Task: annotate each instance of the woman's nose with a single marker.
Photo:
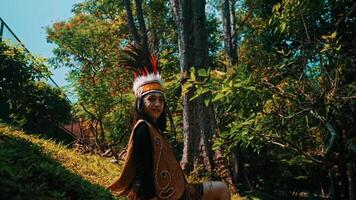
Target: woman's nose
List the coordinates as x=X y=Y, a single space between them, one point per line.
x=157 y=103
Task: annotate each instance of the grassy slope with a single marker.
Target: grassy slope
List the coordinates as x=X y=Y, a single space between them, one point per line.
x=35 y=168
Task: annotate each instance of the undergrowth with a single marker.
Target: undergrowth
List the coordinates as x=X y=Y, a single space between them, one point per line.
x=35 y=168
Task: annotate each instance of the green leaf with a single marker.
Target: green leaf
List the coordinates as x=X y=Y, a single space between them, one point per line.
x=338 y=48
x=276 y=7
x=192 y=75
x=282 y=66
x=195 y=96
x=226 y=90
x=280 y=51
x=218 y=96
x=238 y=85
x=231 y=83
x=186 y=87
x=283 y=26
x=333 y=35
x=202 y=73
x=250 y=88
x=206 y=102
x=325 y=48
x=270 y=21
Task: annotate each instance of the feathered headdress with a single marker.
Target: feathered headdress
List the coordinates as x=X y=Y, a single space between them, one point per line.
x=145 y=68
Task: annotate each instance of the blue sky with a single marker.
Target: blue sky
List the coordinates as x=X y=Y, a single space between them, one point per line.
x=28 y=19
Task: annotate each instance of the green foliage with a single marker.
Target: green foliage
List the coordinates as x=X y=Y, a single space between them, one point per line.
x=34 y=168
x=288 y=105
x=89 y=44
x=30 y=103
x=41 y=105
x=290 y=91
x=17 y=71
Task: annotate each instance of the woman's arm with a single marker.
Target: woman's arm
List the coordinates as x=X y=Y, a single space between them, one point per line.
x=143 y=160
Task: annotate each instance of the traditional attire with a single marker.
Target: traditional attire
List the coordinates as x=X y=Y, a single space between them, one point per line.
x=168 y=179
x=151 y=168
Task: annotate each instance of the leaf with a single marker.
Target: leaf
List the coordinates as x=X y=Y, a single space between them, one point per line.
x=226 y=90
x=338 y=48
x=202 y=73
x=276 y=7
x=195 y=96
x=325 y=48
x=270 y=21
x=333 y=35
x=206 y=102
x=230 y=83
x=186 y=87
x=280 y=51
x=282 y=66
x=192 y=75
x=199 y=92
x=238 y=85
x=250 y=88
x=283 y=26
x=218 y=96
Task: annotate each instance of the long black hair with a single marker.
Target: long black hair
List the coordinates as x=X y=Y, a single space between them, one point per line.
x=139 y=113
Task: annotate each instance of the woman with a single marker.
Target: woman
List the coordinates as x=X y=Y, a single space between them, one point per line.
x=151 y=170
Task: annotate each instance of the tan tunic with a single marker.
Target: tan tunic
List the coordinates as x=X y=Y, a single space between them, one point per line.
x=168 y=177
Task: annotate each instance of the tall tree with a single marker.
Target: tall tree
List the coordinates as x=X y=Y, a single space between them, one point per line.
x=229 y=30
x=199 y=127
x=89 y=44
x=291 y=91
x=227 y=8
x=192 y=42
x=141 y=35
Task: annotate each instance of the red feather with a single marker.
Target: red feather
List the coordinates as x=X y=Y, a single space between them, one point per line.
x=139 y=60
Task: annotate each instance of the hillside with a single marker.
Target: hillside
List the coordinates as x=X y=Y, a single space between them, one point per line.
x=35 y=168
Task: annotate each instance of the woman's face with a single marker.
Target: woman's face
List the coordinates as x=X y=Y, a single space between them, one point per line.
x=153 y=105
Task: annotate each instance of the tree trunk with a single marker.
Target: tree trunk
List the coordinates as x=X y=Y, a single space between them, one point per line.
x=229 y=30
x=238 y=169
x=197 y=130
x=233 y=31
x=199 y=125
x=130 y=22
x=141 y=35
x=141 y=24
x=153 y=41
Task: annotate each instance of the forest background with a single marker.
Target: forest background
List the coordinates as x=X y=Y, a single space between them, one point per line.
x=262 y=92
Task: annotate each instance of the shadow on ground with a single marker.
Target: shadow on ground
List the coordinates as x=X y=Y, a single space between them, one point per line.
x=28 y=173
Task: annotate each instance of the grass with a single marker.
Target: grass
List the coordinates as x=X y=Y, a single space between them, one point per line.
x=35 y=168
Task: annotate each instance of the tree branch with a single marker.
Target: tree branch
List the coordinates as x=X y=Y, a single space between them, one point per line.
x=141 y=23
x=131 y=23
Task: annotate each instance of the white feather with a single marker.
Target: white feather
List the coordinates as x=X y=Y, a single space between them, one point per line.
x=142 y=80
